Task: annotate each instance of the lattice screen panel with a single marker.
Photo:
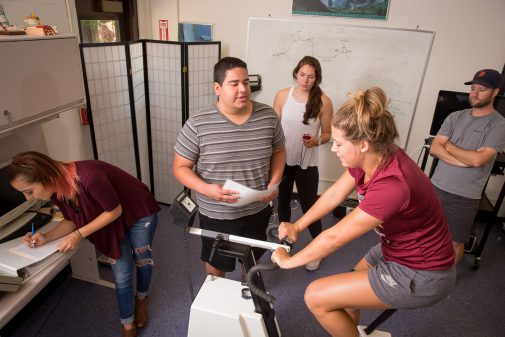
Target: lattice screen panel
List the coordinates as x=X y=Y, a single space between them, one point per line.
x=107 y=83
x=168 y=82
x=201 y=60
x=139 y=94
x=164 y=63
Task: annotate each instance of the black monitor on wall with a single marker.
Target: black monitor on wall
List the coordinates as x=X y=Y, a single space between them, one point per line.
x=450 y=101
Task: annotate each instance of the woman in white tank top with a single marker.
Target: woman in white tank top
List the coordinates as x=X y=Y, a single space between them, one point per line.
x=305 y=113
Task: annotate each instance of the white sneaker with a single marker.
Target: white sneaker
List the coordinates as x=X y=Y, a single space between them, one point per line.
x=311 y=266
x=375 y=333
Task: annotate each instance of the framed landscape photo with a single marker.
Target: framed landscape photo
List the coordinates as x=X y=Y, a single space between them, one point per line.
x=195 y=32
x=364 y=9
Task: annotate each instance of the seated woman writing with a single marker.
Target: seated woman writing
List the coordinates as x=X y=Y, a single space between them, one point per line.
x=412 y=266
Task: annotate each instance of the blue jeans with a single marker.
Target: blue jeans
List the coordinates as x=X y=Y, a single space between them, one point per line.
x=135 y=254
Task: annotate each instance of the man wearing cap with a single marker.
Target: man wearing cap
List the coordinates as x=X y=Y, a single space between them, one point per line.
x=467 y=144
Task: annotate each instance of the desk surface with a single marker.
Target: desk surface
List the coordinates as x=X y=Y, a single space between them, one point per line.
x=10 y=263
x=41 y=274
x=84 y=267
x=12 y=302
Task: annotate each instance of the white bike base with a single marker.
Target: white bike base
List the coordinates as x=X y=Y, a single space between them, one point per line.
x=220 y=310
x=375 y=333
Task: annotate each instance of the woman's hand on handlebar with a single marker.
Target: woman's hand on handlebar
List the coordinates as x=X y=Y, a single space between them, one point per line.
x=288 y=229
x=280 y=256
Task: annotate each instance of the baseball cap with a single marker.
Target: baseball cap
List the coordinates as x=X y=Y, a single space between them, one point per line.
x=489 y=78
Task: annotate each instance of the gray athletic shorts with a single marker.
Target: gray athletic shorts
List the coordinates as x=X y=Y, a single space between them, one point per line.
x=403 y=287
x=460 y=213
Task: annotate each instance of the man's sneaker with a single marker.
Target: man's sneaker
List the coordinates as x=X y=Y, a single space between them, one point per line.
x=375 y=333
x=311 y=266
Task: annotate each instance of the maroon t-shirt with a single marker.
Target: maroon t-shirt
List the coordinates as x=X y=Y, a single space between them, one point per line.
x=103 y=187
x=414 y=232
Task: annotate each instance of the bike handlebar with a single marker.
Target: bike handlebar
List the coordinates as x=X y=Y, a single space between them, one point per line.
x=250 y=281
x=272 y=236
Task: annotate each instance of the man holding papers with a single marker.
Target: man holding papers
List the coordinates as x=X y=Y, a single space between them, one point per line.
x=234 y=139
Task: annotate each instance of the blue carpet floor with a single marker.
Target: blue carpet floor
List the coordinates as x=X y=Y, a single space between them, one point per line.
x=77 y=308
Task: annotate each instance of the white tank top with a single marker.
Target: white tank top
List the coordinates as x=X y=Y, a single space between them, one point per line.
x=294 y=129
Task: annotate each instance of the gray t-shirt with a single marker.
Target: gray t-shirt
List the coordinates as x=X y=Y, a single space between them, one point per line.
x=224 y=150
x=470 y=133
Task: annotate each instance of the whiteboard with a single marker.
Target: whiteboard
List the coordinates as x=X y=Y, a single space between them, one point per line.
x=351 y=57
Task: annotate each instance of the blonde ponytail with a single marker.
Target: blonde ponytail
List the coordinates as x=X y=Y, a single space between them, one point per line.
x=366 y=116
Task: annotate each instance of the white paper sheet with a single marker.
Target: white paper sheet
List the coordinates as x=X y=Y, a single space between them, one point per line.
x=38 y=253
x=247 y=195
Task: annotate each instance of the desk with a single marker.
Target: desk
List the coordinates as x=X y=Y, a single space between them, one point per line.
x=84 y=267
x=12 y=302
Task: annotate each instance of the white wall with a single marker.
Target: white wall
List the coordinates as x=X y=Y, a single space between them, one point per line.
x=469 y=36
x=150 y=12
x=464 y=42
x=62 y=138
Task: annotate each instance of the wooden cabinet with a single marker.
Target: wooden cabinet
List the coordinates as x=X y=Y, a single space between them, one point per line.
x=40 y=77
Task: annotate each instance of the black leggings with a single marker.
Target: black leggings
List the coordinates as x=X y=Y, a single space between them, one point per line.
x=306 y=184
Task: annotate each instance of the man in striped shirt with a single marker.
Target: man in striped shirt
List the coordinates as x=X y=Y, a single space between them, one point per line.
x=236 y=139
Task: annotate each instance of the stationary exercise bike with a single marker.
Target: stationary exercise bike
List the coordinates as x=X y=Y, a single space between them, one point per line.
x=228 y=308
x=225 y=307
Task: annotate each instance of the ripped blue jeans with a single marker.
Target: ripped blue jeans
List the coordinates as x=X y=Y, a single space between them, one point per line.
x=135 y=255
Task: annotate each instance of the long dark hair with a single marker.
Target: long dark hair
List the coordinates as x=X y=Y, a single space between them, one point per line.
x=314 y=103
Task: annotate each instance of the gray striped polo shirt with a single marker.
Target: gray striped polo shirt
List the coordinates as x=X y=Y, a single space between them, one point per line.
x=224 y=150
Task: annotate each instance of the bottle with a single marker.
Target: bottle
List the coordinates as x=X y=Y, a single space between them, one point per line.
x=305 y=157
x=3 y=18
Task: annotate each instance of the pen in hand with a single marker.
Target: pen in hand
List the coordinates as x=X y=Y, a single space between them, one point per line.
x=33 y=233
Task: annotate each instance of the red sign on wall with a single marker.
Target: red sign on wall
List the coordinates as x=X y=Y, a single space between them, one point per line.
x=163 y=24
